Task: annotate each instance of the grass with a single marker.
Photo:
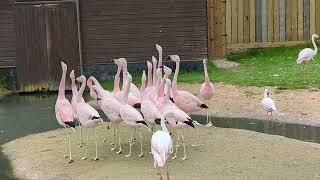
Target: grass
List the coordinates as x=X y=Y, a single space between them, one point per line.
x=274 y=67
x=3 y=88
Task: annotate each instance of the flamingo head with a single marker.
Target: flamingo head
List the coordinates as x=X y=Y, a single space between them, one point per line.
x=118 y=62
x=81 y=79
x=266 y=92
x=149 y=64
x=158 y=47
x=315 y=36
x=72 y=76
x=174 y=58
x=93 y=93
x=63 y=66
x=167 y=71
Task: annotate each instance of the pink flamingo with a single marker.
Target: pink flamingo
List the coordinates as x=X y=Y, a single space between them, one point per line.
x=74 y=102
x=111 y=107
x=159 y=49
x=92 y=80
x=206 y=90
x=131 y=116
x=149 y=110
x=133 y=88
x=161 y=144
x=184 y=99
x=307 y=54
x=63 y=109
x=88 y=116
x=180 y=118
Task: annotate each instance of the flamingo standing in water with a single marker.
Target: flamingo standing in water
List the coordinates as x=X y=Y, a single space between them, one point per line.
x=206 y=90
x=180 y=118
x=149 y=110
x=88 y=116
x=268 y=104
x=111 y=107
x=307 y=54
x=161 y=144
x=63 y=109
x=74 y=102
x=131 y=116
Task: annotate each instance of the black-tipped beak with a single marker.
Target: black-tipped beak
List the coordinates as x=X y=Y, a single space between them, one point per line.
x=111 y=61
x=157 y=121
x=71 y=124
x=98 y=99
x=204 y=106
x=168 y=58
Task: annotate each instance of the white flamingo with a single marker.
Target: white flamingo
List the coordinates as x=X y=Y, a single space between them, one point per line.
x=268 y=104
x=307 y=54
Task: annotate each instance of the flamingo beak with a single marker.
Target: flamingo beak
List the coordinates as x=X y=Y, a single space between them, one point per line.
x=168 y=58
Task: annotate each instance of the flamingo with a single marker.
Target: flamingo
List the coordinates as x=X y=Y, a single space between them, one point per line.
x=206 y=90
x=159 y=49
x=131 y=116
x=268 y=104
x=74 y=102
x=150 y=82
x=307 y=54
x=180 y=118
x=161 y=144
x=111 y=107
x=154 y=75
x=63 y=110
x=184 y=99
x=133 y=88
x=149 y=110
x=92 y=80
x=88 y=116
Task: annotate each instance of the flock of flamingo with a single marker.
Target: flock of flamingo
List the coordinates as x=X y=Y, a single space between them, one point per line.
x=157 y=102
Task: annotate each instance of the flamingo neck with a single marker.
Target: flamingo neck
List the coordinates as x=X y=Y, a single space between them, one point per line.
x=154 y=77
x=73 y=87
x=167 y=96
x=175 y=77
x=163 y=125
x=95 y=81
x=126 y=93
x=206 y=77
x=62 y=86
x=116 y=83
x=149 y=77
x=98 y=91
x=315 y=46
x=143 y=88
x=81 y=90
x=265 y=94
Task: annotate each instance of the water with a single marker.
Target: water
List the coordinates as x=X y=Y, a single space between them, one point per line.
x=29 y=114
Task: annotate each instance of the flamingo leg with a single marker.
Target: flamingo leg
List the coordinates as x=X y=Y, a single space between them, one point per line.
x=141 y=144
x=114 y=136
x=184 y=146
x=70 y=156
x=197 y=139
x=167 y=171
x=209 y=123
x=130 y=144
x=307 y=72
x=120 y=150
x=304 y=75
x=85 y=154
x=160 y=173
x=80 y=134
x=105 y=136
x=95 y=139
x=66 y=150
x=177 y=145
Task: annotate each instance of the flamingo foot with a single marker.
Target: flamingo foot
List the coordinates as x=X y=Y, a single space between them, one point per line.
x=209 y=124
x=150 y=152
x=80 y=145
x=83 y=158
x=195 y=145
x=95 y=159
x=112 y=143
x=113 y=148
x=119 y=152
x=65 y=156
x=141 y=155
x=184 y=158
x=104 y=140
x=70 y=161
x=174 y=157
x=128 y=155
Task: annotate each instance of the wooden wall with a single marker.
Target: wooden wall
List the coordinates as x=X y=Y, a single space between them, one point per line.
x=129 y=29
x=7 y=35
x=262 y=23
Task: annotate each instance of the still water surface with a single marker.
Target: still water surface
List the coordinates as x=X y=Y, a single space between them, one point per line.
x=29 y=114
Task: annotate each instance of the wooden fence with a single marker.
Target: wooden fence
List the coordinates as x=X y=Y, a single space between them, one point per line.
x=262 y=23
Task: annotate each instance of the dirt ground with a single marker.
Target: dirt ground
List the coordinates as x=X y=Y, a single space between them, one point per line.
x=296 y=106
x=222 y=154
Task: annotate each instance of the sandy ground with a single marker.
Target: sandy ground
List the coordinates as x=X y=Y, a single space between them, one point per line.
x=223 y=154
x=296 y=106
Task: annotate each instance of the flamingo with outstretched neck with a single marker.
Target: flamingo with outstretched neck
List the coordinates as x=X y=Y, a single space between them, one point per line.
x=206 y=90
x=88 y=116
x=131 y=116
x=64 y=111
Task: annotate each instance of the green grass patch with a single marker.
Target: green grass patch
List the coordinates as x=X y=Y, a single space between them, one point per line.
x=275 y=67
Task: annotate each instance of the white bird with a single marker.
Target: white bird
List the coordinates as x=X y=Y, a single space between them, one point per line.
x=161 y=144
x=268 y=104
x=307 y=54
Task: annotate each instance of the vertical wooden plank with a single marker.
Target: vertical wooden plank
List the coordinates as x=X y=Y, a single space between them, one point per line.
x=288 y=20
x=276 y=21
x=240 y=21
x=223 y=27
x=317 y=17
x=264 y=21
x=282 y=13
x=312 y=17
x=252 y=21
x=258 y=21
x=234 y=19
x=294 y=16
x=306 y=19
x=300 y=20
x=217 y=33
x=246 y=21
x=228 y=20
x=210 y=28
x=270 y=20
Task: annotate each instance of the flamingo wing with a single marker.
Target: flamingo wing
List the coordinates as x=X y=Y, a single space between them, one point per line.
x=305 y=54
x=64 y=110
x=268 y=104
x=161 y=144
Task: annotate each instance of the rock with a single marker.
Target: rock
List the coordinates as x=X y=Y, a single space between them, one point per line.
x=225 y=64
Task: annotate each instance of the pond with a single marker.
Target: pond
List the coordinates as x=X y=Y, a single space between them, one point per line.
x=29 y=114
